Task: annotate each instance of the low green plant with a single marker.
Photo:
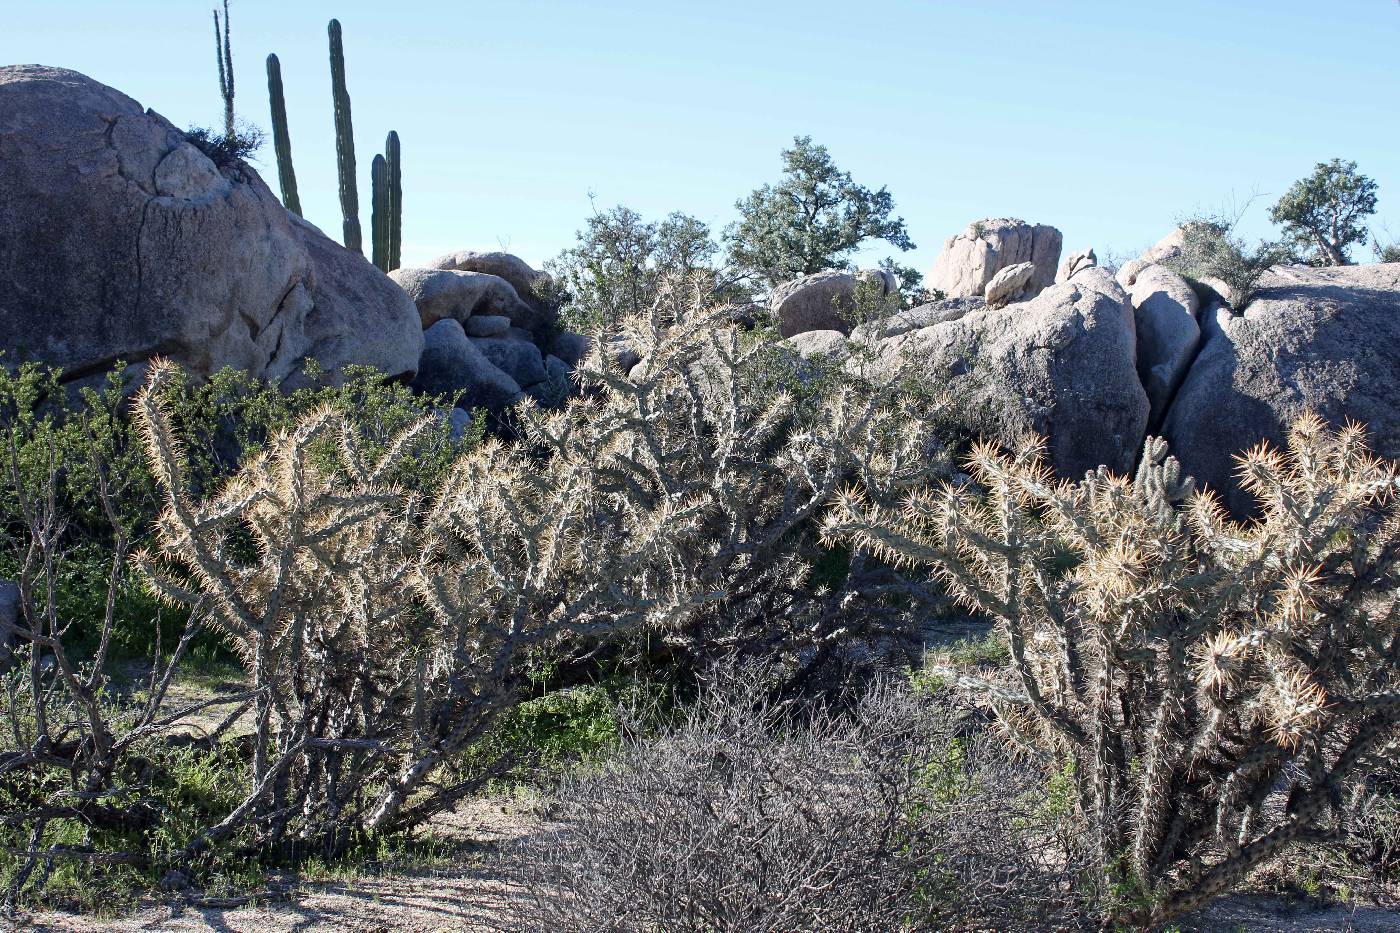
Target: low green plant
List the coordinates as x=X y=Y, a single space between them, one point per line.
x=1214 y=258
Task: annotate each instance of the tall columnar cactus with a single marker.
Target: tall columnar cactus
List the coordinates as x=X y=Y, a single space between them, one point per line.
x=344 y=141
x=281 y=139
x=379 y=213
x=223 y=53
x=391 y=156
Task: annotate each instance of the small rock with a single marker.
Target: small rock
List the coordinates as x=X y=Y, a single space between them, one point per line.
x=486 y=325
x=519 y=359
x=1075 y=263
x=1010 y=284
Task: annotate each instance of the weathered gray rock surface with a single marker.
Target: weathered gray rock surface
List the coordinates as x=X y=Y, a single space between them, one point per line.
x=1076 y=263
x=817 y=343
x=519 y=273
x=972 y=258
x=1165 y=308
x=1063 y=365
x=519 y=359
x=820 y=301
x=452 y=365
x=1325 y=340
x=1010 y=284
x=902 y=322
x=443 y=293
x=120 y=240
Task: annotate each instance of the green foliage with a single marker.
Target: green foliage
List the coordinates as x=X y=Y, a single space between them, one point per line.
x=281 y=137
x=1214 y=257
x=620 y=261
x=379 y=213
x=225 y=149
x=223 y=54
x=1323 y=214
x=85 y=437
x=812 y=220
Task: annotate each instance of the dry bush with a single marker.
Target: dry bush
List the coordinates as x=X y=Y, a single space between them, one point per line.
x=384 y=628
x=1217 y=686
x=750 y=815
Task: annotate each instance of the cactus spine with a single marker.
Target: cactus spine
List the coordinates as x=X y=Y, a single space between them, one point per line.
x=281 y=139
x=379 y=213
x=344 y=142
x=391 y=156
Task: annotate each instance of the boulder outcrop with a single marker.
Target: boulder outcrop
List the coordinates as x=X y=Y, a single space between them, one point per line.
x=1063 y=365
x=972 y=258
x=1320 y=340
x=452 y=365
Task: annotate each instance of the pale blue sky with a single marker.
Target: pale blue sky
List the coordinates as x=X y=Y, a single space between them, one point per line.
x=1108 y=119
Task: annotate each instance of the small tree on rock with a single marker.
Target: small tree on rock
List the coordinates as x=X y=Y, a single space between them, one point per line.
x=1322 y=214
x=813 y=219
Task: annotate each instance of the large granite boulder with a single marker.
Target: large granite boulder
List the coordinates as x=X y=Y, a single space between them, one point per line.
x=530 y=284
x=121 y=240
x=972 y=258
x=1063 y=365
x=453 y=366
x=440 y=294
x=1323 y=340
x=820 y=301
x=1165 y=307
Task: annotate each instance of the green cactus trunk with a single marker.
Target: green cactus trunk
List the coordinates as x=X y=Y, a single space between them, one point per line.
x=344 y=142
x=391 y=156
x=379 y=213
x=281 y=139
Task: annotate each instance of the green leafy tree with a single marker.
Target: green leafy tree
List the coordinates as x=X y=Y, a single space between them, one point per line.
x=1322 y=214
x=813 y=219
x=614 y=271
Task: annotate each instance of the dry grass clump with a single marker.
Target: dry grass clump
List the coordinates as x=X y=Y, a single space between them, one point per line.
x=753 y=815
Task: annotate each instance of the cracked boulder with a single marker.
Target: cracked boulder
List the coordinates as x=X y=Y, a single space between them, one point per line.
x=972 y=258
x=1064 y=366
x=528 y=283
x=1165 y=307
x=1321 y=340
x=119 y=240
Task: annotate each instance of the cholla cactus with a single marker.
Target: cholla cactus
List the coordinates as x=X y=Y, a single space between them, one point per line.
x=384 y=628
x=1214 y=684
